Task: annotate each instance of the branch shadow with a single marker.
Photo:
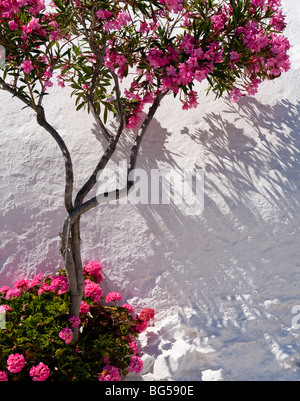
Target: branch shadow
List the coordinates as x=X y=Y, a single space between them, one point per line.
x=267 y=165
x=153 y=149
x=214 y=271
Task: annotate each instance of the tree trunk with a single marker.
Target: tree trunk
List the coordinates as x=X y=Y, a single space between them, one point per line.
x=71 y=252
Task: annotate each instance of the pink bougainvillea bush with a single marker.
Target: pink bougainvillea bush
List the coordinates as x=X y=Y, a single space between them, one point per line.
x=166 y=45
x=37 y=341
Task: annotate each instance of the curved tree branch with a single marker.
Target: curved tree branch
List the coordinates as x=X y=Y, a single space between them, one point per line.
x=98 y=119
x=113 y=141
x=9 y=88
x=41 y=119
x=82 y=208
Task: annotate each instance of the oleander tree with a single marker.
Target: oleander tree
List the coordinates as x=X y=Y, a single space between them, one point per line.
x=161 y=47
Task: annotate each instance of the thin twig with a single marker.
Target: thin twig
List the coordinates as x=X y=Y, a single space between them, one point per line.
x=81 y=208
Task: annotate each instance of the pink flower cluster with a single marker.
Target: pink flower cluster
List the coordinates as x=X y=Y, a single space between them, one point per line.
x=133 y=345
x=9 y=8
x=58 y=284
x=116 y=61
x=29 y=19
x=175 y=75
x=113 y=296
x=3 y=376
x=136 y=364
x=4 y=308
x=66 y=334
x=176 y=66
x=173 y=5
x=75 y=321
x=92 y=290
x=93 y=269
x=109 y=373
x=167 y=59
x=84 y=307
x=113 y=23
x=141 y=98
x=15 y=363
x=145 y=316
x=219 y=20
x=39 y=373
x=20 y=286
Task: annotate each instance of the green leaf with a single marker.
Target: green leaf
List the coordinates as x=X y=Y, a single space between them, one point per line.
x=105 y=115
x=80 y=106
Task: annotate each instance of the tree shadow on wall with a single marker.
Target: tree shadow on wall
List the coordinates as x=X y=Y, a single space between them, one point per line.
x=250 y=173
x=233 y=153
x=208 y=269
x=239 y=162
x=266 y=164
x=251 y=158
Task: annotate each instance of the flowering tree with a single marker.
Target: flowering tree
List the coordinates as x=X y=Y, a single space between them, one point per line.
x=162 y=46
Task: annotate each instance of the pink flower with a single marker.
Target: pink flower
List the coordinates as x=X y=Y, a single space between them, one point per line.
x=84 y=307
x=40 y=372
x=218 y=21
x=3 y=376
x=4 y=289
x=109 y=373
x=48 y=84
x=234 y=56
x=4 y=308
x=235 y=95
x=27 y=66
x=92 y=290
x=15 y=363
x=15 y=293
x=66 y=335
x=129 y=307
x=104 y=14
x=136 y=364
x=75 y=321
x=22 y=285
x=191 y=101
x=134 y=346
x=113 y=296
x=48 y=73
x=32 y=25
x=252 y=88
x=55 y=35
x=57 y=284
x=93 y=269
x=36 y=280
x=122 y=19
x=257 y=3
x=173 y=5
x=13 y=25
x=145 y=316
x=54 y=24
x=60 y=81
